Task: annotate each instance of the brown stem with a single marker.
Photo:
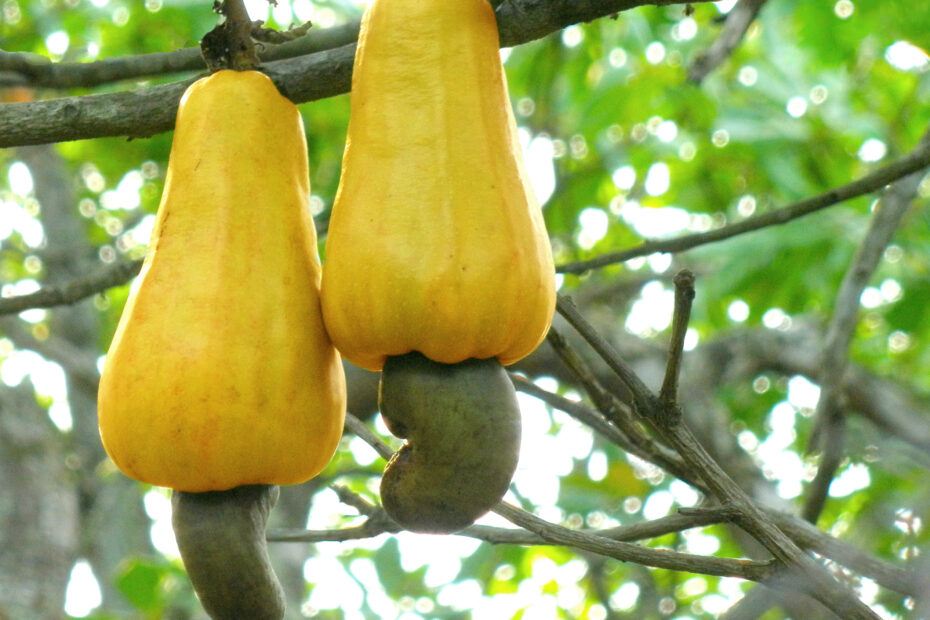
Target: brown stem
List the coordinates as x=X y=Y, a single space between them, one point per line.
x=229 y=45
x=684 y=297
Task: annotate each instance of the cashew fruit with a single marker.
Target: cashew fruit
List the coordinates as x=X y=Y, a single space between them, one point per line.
x=436 y=243
x=221 y=536
x=462 y=426
x=221 y=373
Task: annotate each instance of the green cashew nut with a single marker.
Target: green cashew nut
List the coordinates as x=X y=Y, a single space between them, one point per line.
x=462 y=426
x=221 y=536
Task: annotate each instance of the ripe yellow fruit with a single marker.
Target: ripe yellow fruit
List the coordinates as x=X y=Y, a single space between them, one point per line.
x=221 y=373
x=436 y=243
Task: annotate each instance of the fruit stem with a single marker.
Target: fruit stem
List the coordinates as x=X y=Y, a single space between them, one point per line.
x=229 y=45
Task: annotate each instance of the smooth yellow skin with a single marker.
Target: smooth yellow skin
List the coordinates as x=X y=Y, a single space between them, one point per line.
x=221 y=373
x=436 y=243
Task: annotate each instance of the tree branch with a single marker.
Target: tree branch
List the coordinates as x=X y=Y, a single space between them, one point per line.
x=499 y=535
x=145 y=112
x=30 y=70
x=617 y=426
x=803 y=571
x=684 y=298
x=801 y=532
x=74 y=290
x=540 y=532
x=830 y=418
x=734 y=29
x=626 y=430
x=628 y=552
x=644 y=400
x=916 y=160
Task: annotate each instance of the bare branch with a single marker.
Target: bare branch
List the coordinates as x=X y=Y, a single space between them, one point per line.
x=909 y=582
x=628 y=552
x=519 y=21
x=358 y=427
x=645 y=401
x=830 y=418
x=915 y=161
x=802 y=570
x=145 y=112
x=73 y=291
x=551 y=533
x=684 y=298
x=625 y=429
x=577 y=410
x=734 y=29
x=539 y=532
x=499 y=535
x=37 y=72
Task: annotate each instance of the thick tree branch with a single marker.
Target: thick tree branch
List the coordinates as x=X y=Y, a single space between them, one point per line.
x=916 y=160
x=148 y=111
x=804 y=573
x=145 y=112
x=519 y=21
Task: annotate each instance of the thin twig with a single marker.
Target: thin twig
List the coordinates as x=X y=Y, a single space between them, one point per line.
x=632 y=436
x=628 y=552
x=19 y=69
x=499 y=535
x=829 y=418
x=578 y=410
x=346 y=496
x=737 y=23
x=359 y=428
x=916 y=160
x=73 y=291
x=643 y=398
x=684 y=298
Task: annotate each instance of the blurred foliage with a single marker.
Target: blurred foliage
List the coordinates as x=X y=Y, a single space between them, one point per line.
x=788 y=115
